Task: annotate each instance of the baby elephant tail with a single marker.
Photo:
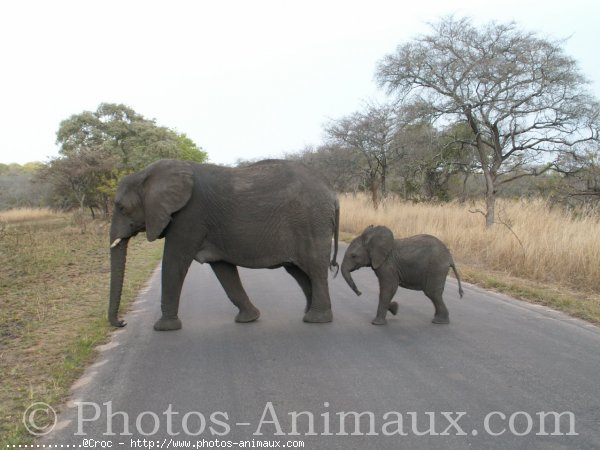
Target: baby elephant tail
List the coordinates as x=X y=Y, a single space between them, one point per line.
x=460 y=289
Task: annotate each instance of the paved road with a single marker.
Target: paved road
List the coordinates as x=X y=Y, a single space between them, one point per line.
x=476 y=383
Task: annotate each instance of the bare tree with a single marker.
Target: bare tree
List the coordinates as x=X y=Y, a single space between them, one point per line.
x=579 y=179
x=342 y=168
x=372 y=135
x=75 y=180
x=523 y=99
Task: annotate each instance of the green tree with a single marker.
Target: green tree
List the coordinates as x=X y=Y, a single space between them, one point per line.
x=119 y=132
x=188 y=150
x=98 y=148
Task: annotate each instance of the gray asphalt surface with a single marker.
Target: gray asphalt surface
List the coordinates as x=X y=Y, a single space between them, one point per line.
x=479 y=382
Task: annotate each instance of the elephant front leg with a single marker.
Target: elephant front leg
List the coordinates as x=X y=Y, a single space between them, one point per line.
x=388 y=286
x=228 y=276
x=174 y=269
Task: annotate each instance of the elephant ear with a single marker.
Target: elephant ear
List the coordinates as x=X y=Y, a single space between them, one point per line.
x=167 y=189
x=379 y=242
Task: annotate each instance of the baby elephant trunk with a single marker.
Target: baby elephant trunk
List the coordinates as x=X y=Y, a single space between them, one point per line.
x=346 y=273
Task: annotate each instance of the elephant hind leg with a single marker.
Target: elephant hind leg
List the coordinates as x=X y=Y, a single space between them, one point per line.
x=228 y=276
x=320 y=304
x=435 y=291
x=303 y=281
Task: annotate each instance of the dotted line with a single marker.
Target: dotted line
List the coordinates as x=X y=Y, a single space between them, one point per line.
x=44 y=446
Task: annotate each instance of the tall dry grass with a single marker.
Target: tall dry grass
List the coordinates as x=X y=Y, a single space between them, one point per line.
x=19 y=215
x=533 y=243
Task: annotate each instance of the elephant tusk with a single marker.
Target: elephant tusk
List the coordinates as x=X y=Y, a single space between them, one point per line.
x=115 y=243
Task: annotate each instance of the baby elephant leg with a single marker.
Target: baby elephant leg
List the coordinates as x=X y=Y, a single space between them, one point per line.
x=387 y=289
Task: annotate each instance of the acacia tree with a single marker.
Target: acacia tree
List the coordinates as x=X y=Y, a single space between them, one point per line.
x=524 y=100
x=372 y=135
x=578 y=180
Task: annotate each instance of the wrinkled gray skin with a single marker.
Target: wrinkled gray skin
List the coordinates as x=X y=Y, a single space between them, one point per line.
x=267 y=215
x=419 y=263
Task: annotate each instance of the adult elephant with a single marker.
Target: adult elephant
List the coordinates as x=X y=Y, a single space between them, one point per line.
x=270 y=214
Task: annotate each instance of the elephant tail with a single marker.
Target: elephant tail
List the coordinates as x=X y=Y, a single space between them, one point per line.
x=334 y=266
x=460 y=289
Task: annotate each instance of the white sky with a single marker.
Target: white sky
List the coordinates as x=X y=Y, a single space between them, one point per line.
x=243 y=79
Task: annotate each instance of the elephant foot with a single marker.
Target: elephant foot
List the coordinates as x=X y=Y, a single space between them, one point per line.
x=441 y=320
x=118 y=323
x=249 y=315
x=380 y=320
x=315 y=316
x=167 y=324
x=393 y=308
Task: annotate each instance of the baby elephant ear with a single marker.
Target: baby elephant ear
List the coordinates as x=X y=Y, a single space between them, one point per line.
x=379 y=243
x=167 y=189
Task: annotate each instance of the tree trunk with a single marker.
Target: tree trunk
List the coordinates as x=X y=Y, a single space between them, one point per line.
x=374 y=185
x=490 y=205
x=463 y=195
x=489 y=170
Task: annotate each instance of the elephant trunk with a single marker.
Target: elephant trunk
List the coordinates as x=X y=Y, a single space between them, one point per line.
x=118 y=256
x=346 y=274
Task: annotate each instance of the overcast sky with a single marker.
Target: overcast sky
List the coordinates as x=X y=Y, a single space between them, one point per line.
x=243 y=79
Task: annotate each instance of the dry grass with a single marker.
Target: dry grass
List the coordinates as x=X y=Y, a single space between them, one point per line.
x=54 y=285
x=20 y=215
x=532 y=242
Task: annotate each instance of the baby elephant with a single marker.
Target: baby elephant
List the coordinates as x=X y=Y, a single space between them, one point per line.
x=419 y=262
